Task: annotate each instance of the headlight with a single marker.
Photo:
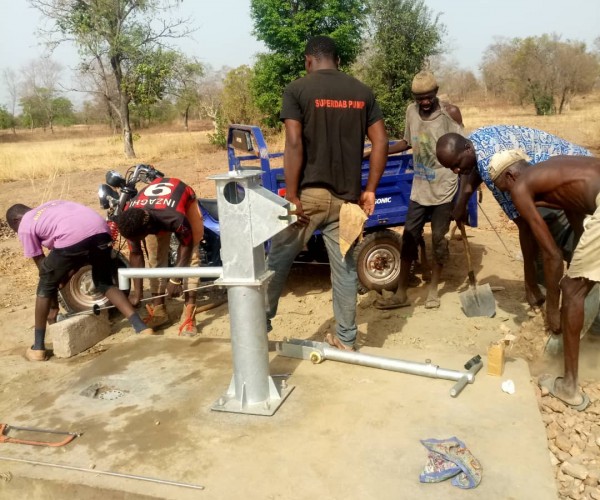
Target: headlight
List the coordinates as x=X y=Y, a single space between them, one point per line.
x=115 y=179
x=105 y=194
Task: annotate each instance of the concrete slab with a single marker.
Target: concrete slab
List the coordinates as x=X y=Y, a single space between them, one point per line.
x=346 y=431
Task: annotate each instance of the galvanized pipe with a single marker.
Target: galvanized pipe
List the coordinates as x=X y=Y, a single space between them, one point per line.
x=105 y=473
x=125 y=274
x=319 y=351
x=396 y=365
x=249 y=344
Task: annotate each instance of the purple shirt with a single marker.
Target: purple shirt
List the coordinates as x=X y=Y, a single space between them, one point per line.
x=58 y=224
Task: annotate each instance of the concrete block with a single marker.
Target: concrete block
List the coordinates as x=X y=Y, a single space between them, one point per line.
x=78 y=333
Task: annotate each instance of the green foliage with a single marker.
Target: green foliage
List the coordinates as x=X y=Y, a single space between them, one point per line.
x=237 y=104
x=40 y=109
x=123 y=44
x=544 y=105
x=185 y=84
x=285 y=26
x=146 y=82
x=404 y=33
x=219 y=138
x=63 y=111
x=6 y=119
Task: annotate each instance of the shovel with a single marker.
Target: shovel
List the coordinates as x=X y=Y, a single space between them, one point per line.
x=477 y=300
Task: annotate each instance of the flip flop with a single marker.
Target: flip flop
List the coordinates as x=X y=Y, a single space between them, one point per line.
x=390 y=304
x=548 y=382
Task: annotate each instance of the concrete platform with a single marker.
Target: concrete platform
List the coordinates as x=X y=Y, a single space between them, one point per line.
x=345 y=432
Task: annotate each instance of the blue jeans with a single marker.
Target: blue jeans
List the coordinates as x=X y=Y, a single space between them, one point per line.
x=323 y=208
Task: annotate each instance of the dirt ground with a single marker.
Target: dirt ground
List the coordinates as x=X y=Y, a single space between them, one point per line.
x=305 y=312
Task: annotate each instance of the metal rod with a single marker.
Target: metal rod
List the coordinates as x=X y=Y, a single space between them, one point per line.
x=125 y=274
x=494 y=228
x=96 y=309
x=171 y=272
x=319 y=351
x=396 y=365
x=43 y=431
x=105 y=473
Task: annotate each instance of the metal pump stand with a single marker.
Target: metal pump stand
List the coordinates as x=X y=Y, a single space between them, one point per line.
x=249 y=215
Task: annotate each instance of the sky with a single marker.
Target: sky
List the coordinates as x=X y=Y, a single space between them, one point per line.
x=224 y=30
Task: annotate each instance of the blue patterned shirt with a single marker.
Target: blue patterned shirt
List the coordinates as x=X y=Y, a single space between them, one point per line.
x=537 y=144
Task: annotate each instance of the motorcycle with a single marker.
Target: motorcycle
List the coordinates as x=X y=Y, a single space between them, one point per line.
x=79 y=293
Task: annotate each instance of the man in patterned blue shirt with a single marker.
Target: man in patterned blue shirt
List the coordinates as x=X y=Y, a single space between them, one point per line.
x=470 y=157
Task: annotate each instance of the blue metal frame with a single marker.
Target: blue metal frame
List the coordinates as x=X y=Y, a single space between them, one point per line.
x=392 y=195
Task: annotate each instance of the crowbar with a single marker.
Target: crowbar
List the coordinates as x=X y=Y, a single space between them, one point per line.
x=6 y=428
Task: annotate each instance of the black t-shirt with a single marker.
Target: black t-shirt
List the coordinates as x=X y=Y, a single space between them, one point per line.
x=335 y=110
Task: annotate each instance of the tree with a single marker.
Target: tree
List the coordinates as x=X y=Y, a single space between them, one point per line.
x=185 y=86
x=209 y=105
x=285 y=26
x=543 y=70
x=6 y=119
x=35 y=110
x=455 y=82
x=403 y=34
x=40 y=82
x=12 y=86
x=237 y=103
x=122 y=41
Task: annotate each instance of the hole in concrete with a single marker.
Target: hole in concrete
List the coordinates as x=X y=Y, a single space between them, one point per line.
x=103 y=391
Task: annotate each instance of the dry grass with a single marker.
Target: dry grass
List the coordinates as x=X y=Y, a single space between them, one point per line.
x=41 y=155
x=36 y=156
x=581 y=124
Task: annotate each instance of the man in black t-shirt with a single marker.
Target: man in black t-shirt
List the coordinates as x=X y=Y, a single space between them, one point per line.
x=327 y=115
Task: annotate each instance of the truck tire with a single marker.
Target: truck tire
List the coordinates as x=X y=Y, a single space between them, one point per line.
x=79 y=294
x=377 y=259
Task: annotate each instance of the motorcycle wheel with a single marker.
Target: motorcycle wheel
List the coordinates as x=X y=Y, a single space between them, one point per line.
x=79 y=294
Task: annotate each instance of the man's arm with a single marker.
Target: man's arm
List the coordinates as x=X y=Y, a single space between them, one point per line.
x=553 y=263
x=468 y=185
x=397 y=147
x=293 y=156
x=379 y=152
x=529 y=249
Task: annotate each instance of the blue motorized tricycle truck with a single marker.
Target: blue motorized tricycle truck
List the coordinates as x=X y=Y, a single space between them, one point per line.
x=378 y=254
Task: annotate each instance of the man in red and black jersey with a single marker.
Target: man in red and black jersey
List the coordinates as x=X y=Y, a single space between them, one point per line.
x=327 y=115
x=167 y=205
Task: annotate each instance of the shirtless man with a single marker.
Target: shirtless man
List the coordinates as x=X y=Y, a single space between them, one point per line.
x=470 y=157
x=570 y=183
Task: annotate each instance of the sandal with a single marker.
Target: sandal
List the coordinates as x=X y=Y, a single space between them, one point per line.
x=548 y=382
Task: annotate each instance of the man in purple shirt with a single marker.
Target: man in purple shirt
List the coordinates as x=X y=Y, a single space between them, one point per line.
x=75 y=236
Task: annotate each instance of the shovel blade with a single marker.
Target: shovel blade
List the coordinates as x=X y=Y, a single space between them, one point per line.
x=478 y=301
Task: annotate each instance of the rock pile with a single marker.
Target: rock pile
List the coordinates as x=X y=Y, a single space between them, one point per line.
x=574 y=444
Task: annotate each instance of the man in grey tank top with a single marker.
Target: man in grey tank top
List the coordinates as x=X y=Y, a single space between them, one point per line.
x=433 y=189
